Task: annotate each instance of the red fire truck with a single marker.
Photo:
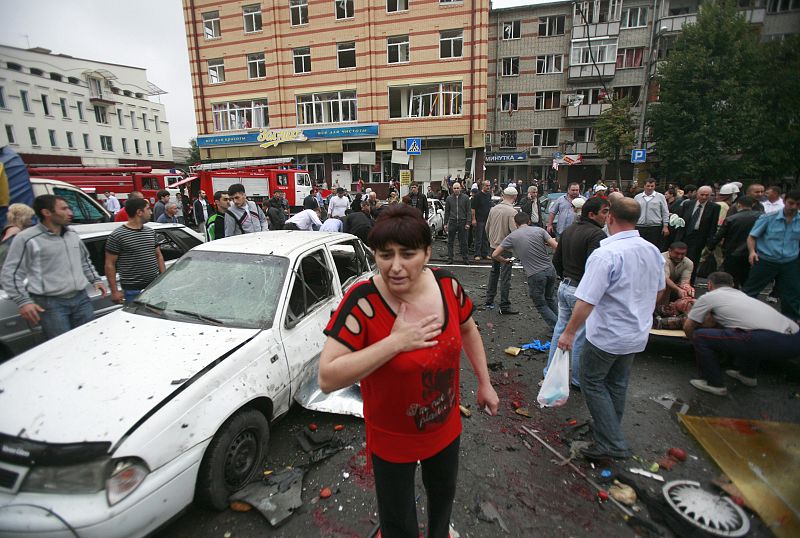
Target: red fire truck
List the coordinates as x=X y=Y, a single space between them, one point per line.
x=261 y=178
x=120 y=180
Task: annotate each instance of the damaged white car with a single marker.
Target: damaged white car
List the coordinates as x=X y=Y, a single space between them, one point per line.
x=113 y=428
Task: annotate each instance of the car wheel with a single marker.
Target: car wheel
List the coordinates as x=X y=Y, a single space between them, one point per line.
x=233 y=459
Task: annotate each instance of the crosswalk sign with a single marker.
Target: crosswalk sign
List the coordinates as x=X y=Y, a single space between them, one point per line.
x=414 y=146
x=638 y=156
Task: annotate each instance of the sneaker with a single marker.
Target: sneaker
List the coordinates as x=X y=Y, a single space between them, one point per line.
x=702 y=384
x=744 y=380
x=490 y=306
x=452 y=533
x=592 y=453
x=508 y=312
x=477 y=258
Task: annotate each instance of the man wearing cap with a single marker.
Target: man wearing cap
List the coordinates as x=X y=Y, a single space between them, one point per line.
x=499 y=224
x=653 y=225
x=564 y=209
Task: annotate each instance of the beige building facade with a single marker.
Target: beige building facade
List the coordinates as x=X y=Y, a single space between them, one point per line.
x=339 y=86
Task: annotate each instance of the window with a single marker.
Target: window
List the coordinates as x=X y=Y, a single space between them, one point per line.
x=547 y=100
x=583 y=134
x=511 y=30
x=45 y=105
x=451 y=44
x=346 y=54
x=23 y=96
x=136 y=146
x=252 y=18
x=777 y=6
x=83 y=211
x=602 y=50
x=80 y=110
x=451 y=1
x=157 y=124
x=149 y=147
x=312 y=287
x=398 y=49
x=551 y=26
x=133 y=120
x=216 y=71
x=32 y=134
x=120 y=118
x=238 y=115
x=627 y=58
x=350 y=262
x=86 y=142
x=631 y=92
x=211 y=25
x=393 y=6
x=36 y=71
x=302 y=60
x=57 y=77
x=95 y=87
x=2 y=97
x=10 y=134
x=51 y=133
x=509 y=102
x=298 y=10
x=105 y=143
x=100 y=115
x=161 y=148
x=591 y=96
x=634 y=17
x=62 y=102
x=344 y=9
x=425 y=100
x=124 y=145
x=144 y=122
x=510 y=67
x=545 y=138
x=70 y=140
x=551 y=63
x=328 y=107
x=508 y=139
x=13 y=66
x=256 y=65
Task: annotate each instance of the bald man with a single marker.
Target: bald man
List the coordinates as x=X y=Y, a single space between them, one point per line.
x=701 y=216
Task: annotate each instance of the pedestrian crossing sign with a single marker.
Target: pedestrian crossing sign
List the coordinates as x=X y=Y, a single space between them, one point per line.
x=414 y=146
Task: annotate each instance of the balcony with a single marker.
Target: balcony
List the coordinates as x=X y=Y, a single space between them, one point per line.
x=601 y=29
x=590 y=72
x=754 y=15
x=101 y=98
x=675 y=23
x=584 y=148
x=586 y=111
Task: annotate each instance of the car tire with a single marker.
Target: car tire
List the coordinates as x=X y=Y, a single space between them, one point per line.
x=233 y=459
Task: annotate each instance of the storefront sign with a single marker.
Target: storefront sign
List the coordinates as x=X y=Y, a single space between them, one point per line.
x=272 y=137
x=505 y=157
x=405 y=178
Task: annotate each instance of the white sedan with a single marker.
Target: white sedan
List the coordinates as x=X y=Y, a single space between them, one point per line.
x=113 y=428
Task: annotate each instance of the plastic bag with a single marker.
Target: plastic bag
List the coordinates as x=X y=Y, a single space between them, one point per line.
x=555 y=388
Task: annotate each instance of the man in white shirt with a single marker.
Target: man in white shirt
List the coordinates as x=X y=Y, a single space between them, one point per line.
x=331 y=224
x=774 y=202
x=112 y=204
x=653 y=222
x=338 y=205
x=307 y=219
x=616 y=299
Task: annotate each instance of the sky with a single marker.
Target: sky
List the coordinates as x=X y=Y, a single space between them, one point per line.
x=140 y=33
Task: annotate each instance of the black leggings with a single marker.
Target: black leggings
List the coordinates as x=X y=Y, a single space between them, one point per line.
x=394 y=487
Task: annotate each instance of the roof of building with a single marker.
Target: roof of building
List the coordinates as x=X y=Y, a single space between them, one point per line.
x=48 y=52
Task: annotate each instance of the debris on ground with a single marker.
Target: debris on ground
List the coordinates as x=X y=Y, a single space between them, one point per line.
x=238 y=506
x=513 y=351
x=667 y=463
x=276 y=497
x=537 y=345
x=488 y=512
x=725 y=484
x=623 y=493
x=677 y=453
x=523 y=411
x=338 y=427
x=464 y=411
x=324 y=493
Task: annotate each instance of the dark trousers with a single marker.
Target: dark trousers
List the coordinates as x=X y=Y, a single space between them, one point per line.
x=745 y=348
x=738 y=267
x=394 y=488
x=696 y=245
x=653 y=235
x=457 y=228
x=481 y=240
x=500 y=272
x=787 y=280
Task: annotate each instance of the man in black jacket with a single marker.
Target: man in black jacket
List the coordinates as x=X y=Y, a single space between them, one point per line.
x=481 y=205
x=359 y=223
x=457 y=218
x=419 y=200
x=701 y=216
x=530 y=205
x=202 y=210
x=733 y=236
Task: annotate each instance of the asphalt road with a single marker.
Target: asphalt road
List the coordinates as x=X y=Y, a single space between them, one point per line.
x=532 y=494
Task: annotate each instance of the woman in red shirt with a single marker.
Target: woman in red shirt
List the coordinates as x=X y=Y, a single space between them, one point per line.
x=401 y=334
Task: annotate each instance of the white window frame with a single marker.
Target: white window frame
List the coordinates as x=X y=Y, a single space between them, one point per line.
x=603 y=50
x=144 y=122
x=451 y=2
x=70 y=140
x=348 y=9
x=240 y=115
x=438 y=99
x=2 y=97
x=256 y=61
x=212 y=28
x=64 y=104
x=120 y=117
x=552 y=26
x=544 y=97
x=450 y=42
x=133 y=119
x=86 y=143
x=124 y=145
x=591 y=96
x=10 y=135
x=327 y=107
x=401 y=46
x=252 y=14
x=157 y=124
x=509 y=102
x=303 y=54
x=587 y=136
x=400 y=5
x=345 y=48
x=80 y=110
x=149 y=147
x=23 y=97
x=51 y=133
x=298 y=12
x=550 y=64
x=46 y=105
x=509 y=139
x=100 y=115
x=136 y=147
x=511 y=30
x=540 y=135
x=634 y=17
x=33 y=136
x=507 y=66
x=106 y=143
x=160 y=148
x=628 y=57
x=628 y=91
x=216 y=71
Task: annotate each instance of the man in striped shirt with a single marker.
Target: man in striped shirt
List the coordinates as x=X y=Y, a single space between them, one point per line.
x=132 y=251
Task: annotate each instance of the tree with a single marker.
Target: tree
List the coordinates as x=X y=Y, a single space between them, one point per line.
x=706 y=123
x=194 y=151
x=614 y=132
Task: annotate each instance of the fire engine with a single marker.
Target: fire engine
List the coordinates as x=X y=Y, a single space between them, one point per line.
x=261 y=179
x=120 y=180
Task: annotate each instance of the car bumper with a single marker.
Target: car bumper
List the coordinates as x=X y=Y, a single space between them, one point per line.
x=164 y=493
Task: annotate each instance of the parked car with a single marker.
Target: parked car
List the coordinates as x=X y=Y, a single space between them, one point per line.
x=118 y=425
x=436 y=216
x=16 y=335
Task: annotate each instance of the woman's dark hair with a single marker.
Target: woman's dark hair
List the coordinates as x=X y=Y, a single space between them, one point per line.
x=400 y=224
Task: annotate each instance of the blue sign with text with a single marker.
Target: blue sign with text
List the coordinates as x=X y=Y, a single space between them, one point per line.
x=505 y=157
x=638 y=156
x=277 y=136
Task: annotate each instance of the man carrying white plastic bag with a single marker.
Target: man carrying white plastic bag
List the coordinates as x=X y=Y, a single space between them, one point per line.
x=616 y=299
x=555 y=387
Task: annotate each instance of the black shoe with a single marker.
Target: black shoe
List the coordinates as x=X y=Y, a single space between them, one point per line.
x=508 y=312
x=592 y=453
x=450 y=261
x=466 y=261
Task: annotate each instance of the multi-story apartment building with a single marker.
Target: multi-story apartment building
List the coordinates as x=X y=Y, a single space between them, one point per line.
x=339 y=85
x=552 y=66
x=57 y=109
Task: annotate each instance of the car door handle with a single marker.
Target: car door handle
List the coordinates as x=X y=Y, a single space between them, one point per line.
x=274 y=359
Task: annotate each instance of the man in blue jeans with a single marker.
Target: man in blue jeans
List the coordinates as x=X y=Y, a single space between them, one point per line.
x=576 y=245
x=48 y=269
x=615 y=299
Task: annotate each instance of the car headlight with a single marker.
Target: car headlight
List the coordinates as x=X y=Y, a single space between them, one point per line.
x=126 y=476
x=79 y=478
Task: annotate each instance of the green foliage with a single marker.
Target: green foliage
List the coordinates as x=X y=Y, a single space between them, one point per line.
x=615 y=131
x=194 y=154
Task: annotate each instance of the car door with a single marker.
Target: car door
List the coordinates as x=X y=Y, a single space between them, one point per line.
x=306 y=311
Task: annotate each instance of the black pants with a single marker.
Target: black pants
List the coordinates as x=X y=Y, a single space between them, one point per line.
x=394 y=487
x=653 y=234
x=457 y=228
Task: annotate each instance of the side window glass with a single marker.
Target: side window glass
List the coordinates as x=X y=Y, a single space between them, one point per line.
x=283 y=180
x=185 y=241
x=313 y=285
x=97 y=253
x=150 y=183
x=349 y=262
x=170 y=249
x=78 y=214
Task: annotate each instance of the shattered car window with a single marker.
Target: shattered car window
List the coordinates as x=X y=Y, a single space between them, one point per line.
x=223 y=288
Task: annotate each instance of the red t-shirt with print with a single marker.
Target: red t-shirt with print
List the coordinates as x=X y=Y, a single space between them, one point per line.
x=411 y=402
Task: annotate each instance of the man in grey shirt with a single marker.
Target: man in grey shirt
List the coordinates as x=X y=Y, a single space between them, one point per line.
x=48 y=269
x=653 y=222
x=243 y=216
x=564 y=210
x=530 y=244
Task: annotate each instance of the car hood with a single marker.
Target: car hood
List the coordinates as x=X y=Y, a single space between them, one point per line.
x=96 y=382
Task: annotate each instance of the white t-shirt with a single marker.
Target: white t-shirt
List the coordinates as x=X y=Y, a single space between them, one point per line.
x=338 y=206
x=734 y=310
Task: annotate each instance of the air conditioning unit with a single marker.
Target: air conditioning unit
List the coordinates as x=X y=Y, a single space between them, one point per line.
x=534 y=151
